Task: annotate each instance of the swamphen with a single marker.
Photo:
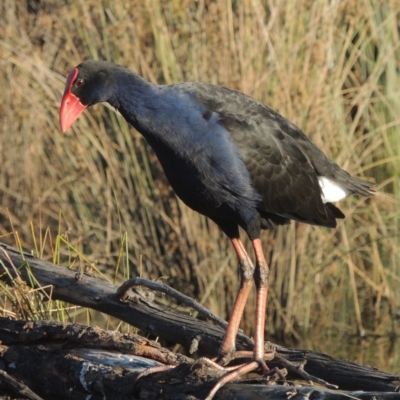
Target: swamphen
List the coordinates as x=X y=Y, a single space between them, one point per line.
x=229 y=157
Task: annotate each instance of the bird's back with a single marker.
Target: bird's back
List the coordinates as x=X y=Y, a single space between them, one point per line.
x=289 y=171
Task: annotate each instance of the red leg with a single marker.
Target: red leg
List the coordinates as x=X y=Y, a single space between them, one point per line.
x=231 y=376
x=247 y=273
x=260 y=272
x=246 y=280
x=261 y=281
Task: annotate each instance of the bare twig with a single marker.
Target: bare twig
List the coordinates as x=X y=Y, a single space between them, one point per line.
x=298 y=368
x=160 y=287
x=18 y=387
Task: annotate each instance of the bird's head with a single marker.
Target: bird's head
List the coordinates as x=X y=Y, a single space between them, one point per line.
x=87 y=84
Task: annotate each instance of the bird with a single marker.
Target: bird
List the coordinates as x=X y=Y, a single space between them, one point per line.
x=229 y=157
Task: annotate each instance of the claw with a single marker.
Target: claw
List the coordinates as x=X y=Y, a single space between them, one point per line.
x=233 y=375
x=235 y=372
x=209 y=362
x=153 y=370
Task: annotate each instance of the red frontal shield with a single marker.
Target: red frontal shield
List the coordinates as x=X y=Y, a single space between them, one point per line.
x=71 y=106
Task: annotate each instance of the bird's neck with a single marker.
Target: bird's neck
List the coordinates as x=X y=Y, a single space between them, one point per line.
x=135 y=99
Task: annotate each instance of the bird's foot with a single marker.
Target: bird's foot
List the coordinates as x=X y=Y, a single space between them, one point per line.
x=235 y=372
x=236 y=355
x=153 y=370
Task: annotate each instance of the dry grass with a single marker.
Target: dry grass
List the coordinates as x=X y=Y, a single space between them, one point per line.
x=330 y=67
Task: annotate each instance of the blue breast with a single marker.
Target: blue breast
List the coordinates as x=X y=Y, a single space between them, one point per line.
x=200 y=161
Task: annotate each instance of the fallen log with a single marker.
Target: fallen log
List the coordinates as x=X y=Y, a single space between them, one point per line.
x=73 y=361
x=57 y=350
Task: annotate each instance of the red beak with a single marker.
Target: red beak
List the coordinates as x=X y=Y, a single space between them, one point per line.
x=71 y=106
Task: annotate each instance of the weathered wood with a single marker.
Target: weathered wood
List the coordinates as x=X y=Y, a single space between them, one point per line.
x=84 y=290
x=73 y=361
x=35 y=332
x=122 y=292
x=11 y=387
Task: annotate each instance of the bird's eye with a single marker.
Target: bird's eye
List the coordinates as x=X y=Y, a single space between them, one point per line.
x=79 y=82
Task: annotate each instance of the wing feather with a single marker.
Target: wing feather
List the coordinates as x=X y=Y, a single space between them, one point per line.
x=283 y=163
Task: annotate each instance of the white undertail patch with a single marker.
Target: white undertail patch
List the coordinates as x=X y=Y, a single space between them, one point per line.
x=331 y=191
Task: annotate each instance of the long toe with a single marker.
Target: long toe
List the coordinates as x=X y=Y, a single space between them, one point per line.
x=237 y=371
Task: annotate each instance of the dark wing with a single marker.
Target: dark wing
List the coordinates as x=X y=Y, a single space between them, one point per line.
x=280 y=171
x=269 y=145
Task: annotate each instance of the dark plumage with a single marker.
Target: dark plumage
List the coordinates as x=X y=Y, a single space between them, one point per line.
x=227 y=156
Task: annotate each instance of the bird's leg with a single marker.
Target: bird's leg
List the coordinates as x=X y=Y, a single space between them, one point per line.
x=261 y=272
x=261 y=280
x=246 y=272
x=260 y=275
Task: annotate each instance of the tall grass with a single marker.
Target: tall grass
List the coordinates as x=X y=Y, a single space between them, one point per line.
x=330 y=67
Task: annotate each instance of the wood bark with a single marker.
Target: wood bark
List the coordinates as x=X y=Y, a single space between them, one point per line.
x=77 y=361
